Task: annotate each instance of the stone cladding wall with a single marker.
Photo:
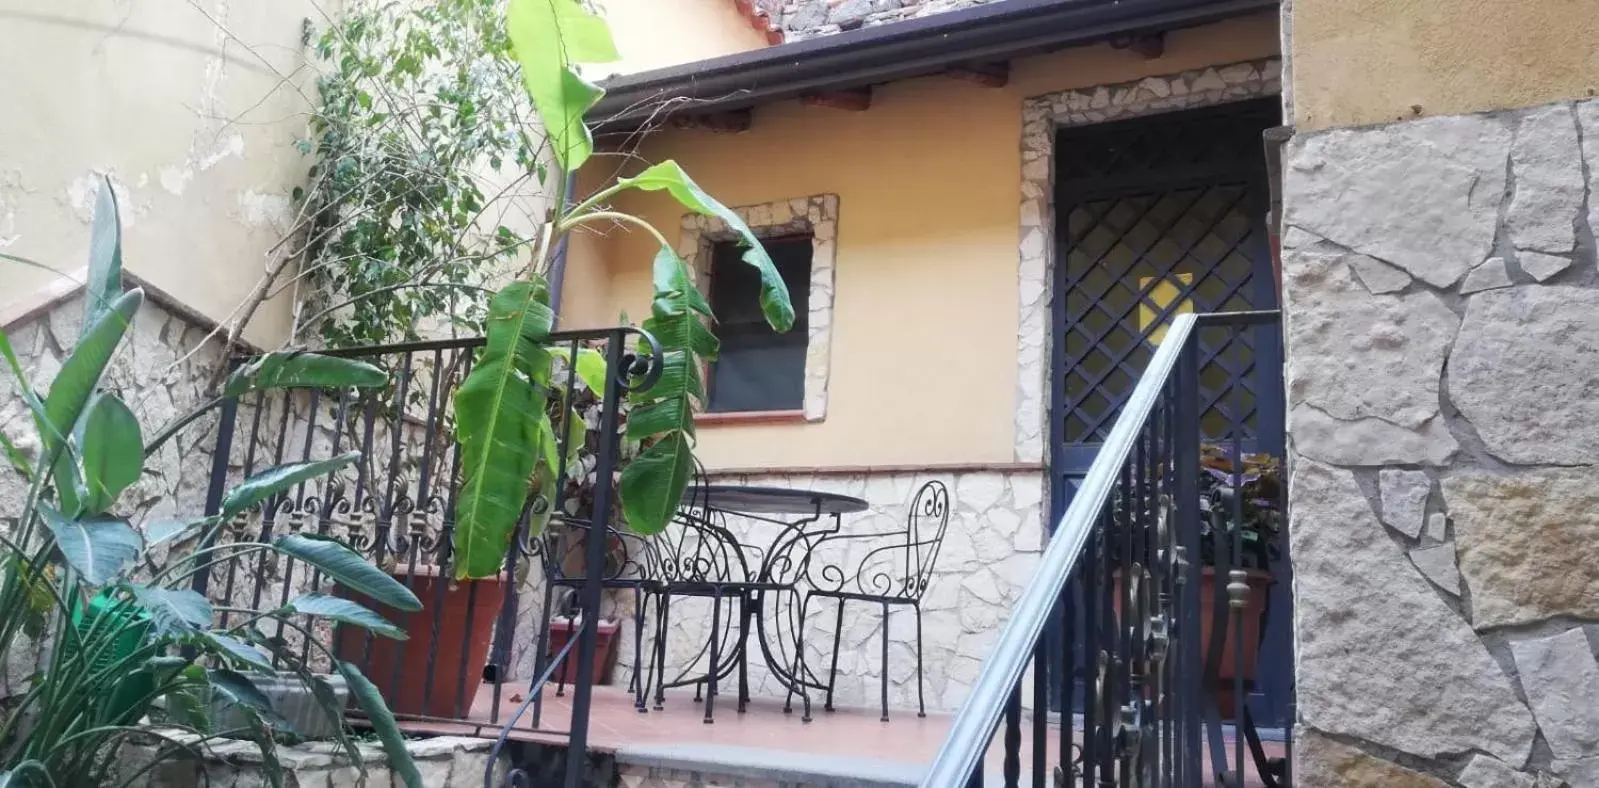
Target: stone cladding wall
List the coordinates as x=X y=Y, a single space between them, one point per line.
x=1442 y=321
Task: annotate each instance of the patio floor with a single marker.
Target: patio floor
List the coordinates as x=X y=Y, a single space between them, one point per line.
x=850 y=743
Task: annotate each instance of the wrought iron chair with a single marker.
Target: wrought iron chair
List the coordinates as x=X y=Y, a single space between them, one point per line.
x=698 y=556
x=563 y=550
x=895 y=571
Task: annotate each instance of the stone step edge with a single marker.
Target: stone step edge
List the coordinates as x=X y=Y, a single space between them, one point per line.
x=781 y=766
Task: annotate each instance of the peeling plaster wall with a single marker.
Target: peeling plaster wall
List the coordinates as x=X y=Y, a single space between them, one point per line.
x=190 y=108
x=1442 y=321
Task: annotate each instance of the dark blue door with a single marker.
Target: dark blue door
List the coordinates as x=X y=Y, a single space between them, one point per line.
x=1157 y=216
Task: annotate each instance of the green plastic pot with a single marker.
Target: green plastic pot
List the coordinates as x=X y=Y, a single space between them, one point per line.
x=132 y=628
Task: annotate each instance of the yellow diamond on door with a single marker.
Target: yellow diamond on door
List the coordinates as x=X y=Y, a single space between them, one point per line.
x=1156 y=299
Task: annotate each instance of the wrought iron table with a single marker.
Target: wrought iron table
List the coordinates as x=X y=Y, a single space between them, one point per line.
x=796 y=514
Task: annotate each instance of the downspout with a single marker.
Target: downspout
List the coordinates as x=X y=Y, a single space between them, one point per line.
x=558 y=263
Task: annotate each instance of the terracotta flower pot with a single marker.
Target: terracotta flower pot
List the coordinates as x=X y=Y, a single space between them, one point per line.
x=450 y=608
x=1259 y=581
x=604 y=650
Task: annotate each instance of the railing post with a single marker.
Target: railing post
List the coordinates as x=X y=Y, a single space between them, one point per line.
x=219 y=484
x=594 y=574
x=1185 y=462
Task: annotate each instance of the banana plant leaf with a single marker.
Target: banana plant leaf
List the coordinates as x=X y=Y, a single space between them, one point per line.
x=502 y=426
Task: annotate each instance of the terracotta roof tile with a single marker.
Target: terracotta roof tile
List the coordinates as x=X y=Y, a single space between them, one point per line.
x=760 y=20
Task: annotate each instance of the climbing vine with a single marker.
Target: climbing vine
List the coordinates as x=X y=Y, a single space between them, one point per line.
x=427 y=181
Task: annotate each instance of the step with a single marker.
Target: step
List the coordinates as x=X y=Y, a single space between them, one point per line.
x=727 y=766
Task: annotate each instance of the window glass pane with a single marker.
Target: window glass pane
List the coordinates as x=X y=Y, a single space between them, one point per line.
x=758 y=368
x=758 y=373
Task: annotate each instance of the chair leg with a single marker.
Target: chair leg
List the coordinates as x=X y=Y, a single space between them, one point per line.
x=560 y=670
x=743 y=654
x=832 y=670
x=541 y=659
x=921 y=689
x=884 y=682
x=800 y=671
x=639 y=603
x=797 y=670
x=662 y=614
x=710 y=678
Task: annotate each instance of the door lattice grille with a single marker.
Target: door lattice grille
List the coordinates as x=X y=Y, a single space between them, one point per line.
x=1157 y=219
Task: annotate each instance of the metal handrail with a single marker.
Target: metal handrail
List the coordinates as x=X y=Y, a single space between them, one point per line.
x=974 y=725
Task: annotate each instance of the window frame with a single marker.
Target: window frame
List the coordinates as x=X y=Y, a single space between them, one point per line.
x=815 y=216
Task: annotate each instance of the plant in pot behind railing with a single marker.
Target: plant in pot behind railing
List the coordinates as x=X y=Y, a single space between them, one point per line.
x=132 y=654
x=1241 y=518
x=501 y=409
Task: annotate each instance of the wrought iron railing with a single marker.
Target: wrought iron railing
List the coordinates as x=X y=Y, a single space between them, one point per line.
x=1118 y=605
x=397 y=506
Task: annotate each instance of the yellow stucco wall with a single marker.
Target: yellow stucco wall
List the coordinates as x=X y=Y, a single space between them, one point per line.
x=178 y=106
x=1373 y=61
x=653 y=34
x=924 y=327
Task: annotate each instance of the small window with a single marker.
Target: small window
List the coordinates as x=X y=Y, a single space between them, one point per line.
x=758 y=368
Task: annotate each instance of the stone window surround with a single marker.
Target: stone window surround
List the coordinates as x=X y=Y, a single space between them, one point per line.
x=1041 y=116
x=816 y=216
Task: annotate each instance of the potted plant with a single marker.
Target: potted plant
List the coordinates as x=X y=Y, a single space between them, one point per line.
x=453 y=630
x=1241 y=519
x=137 y=649
x=567 y=543
x=492 y=406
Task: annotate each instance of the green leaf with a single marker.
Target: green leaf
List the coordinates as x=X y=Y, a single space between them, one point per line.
x=343 y=611
x=350 y=569
x=81 y=371
x=673 y=413
x=68 y=479
x=14 y=455
x=105 y=257
x=261 y=733
x=499 y=412
x=550 y=451
x=29 y=396
x=672 y=275
x=112 y=451
x=590 y=366
x=166 y=530
x=98 y=547
x=237 y=688
x=682 y=330
x=188 y=701
x=292 y=369
x=38 y=596
x=652 y=485
x=272 y=481
x=680 y=376
x=236 y=650
x=669 y=177
x=577 y=434
x=174 y=610
x=366 y=696
x=549 y=37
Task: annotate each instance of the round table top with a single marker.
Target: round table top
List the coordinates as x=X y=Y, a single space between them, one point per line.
x=742 y=499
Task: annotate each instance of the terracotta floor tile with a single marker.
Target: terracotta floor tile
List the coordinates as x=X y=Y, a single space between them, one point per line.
x=615 y=723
